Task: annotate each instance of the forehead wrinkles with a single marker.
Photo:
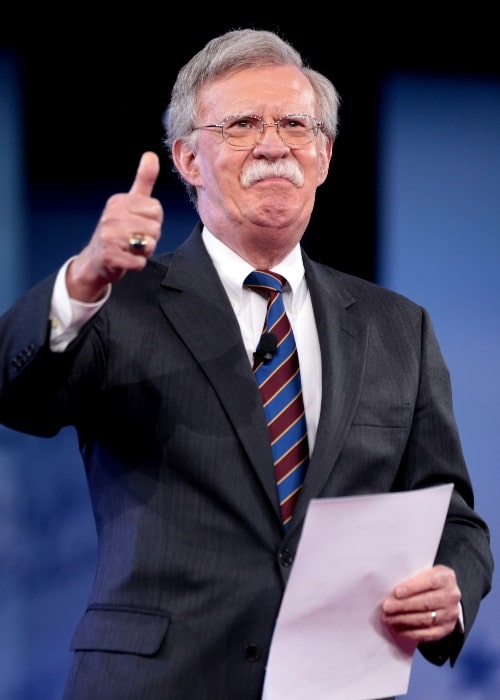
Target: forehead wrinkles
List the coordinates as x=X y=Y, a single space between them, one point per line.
x=265 y=91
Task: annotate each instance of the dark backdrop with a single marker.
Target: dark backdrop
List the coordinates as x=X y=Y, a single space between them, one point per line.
x=95 y=85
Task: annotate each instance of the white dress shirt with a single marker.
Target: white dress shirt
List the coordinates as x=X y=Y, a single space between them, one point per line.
x=250 y=310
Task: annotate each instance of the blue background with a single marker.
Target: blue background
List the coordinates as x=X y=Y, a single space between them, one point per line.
x=439 y=243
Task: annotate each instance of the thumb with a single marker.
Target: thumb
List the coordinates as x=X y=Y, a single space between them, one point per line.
x=146 y=175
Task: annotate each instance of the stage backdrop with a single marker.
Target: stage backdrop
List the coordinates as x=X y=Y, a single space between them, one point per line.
x=439 y=243
x=439 y=204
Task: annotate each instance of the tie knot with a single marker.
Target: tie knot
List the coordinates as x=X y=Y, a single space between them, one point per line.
x=265 y=282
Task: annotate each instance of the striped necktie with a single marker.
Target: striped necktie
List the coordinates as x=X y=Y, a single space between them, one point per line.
x=278 y=378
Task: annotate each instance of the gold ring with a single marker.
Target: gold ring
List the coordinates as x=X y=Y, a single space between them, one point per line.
x=137 y=242
x=433 y=616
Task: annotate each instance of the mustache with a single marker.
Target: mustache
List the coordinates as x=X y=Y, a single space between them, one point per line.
x=262 y=169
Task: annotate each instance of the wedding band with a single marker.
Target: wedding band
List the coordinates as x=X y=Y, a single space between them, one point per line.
x=433 y=616
x=137 y=242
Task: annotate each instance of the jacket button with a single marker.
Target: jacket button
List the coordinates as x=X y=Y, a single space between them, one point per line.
x=252 y=652
x=285 y=558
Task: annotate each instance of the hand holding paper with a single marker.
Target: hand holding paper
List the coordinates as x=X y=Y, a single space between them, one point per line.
x=424 y=608
x=330 y=642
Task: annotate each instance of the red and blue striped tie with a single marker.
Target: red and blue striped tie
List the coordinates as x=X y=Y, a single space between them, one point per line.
x=278 y=378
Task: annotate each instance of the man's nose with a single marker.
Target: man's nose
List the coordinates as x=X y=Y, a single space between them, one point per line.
x=270 y=138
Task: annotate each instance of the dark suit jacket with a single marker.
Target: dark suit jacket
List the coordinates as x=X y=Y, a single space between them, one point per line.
x=192 y=561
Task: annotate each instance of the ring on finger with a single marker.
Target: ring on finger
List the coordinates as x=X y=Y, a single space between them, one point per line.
x=433 y=617
x=137 y=242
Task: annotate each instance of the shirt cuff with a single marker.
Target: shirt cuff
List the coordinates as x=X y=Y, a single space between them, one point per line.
x=67 y=315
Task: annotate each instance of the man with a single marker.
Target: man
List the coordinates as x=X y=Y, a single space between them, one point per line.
x=151 y=359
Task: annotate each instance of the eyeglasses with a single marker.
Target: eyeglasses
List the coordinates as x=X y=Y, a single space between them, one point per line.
x=246 y=131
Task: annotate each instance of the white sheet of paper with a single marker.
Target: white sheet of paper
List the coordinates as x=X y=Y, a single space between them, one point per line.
x=329 y=642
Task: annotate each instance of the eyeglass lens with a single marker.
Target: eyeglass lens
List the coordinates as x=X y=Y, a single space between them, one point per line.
x=294 y=129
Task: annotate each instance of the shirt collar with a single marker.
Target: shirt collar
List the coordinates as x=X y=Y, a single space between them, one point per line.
x=233 y=270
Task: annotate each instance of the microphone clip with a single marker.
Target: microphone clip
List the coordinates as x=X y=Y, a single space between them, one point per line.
x=267 y=348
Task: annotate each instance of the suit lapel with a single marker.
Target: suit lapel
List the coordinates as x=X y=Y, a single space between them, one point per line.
x=343 y=339
x=196 y=304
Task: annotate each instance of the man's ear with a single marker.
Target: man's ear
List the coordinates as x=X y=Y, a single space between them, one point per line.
x=185 y=160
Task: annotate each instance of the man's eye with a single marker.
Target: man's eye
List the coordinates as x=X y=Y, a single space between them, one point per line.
x=292 y=124
x=242 y=124
x=245 y=124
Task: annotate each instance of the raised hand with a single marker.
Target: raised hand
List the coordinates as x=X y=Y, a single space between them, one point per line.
x=125 y=236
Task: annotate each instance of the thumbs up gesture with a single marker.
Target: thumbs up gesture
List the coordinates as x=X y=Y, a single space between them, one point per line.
x=125 y=236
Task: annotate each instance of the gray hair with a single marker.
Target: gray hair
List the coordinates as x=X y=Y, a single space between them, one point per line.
x=230 y=52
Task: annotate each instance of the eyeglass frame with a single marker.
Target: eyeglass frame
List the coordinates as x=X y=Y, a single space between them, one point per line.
x=319 y=125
